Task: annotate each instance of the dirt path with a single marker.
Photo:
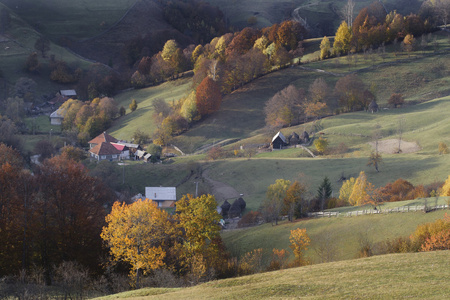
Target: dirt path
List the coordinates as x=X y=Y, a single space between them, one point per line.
x=391 y=146
x=220 y=190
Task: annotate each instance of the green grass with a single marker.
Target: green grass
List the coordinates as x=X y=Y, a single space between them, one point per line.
x=142 y=117
x=76 y=18
x=343 y=233
x=15 y=51
x=396 y=276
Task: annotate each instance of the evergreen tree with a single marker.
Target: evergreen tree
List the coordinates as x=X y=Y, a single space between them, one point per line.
x=324 y=192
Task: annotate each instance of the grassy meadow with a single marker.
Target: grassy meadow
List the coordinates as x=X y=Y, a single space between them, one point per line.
x=18 y=44
x=396 y=276
x=342 y=233
x=142 y=118
x=75 y=18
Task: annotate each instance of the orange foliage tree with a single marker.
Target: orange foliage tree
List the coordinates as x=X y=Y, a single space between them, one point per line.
x=432 y=236
x=137 y=234
x=299 y=243
x=208 y=97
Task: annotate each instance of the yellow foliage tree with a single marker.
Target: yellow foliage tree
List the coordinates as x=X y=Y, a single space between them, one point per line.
x=299 y=243
x=325 y=48
x=445 y=191
x=362 y=190
x=136 y=233
x=346 y=190
x=321 y=145
x=342 y=40
x=199 y=219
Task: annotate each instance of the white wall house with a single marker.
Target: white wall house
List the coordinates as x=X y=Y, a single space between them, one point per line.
x=163 y=196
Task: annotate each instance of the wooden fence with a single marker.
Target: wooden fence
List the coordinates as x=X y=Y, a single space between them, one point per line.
x=401 y=209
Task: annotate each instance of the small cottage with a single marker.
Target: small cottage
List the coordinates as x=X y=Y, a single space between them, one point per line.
x=56 y=118
x=278 y=141
x=164 y=196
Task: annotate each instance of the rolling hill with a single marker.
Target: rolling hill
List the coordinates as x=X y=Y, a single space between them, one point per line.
x=396 y=276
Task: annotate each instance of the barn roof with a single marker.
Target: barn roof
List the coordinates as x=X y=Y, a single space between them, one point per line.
x=279 y=134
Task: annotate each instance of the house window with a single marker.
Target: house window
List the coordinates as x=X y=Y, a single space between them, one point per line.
x=159 y=203
x=103 y=156
x=114 y=156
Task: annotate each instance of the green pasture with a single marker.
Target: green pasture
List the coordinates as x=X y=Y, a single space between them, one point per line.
x=75 y=18
x=343 y=233
x=426 y=124
x=142 y=117
x=18 y=44
x=396 y=276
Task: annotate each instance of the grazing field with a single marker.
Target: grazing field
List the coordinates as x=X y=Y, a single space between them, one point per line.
x=15 y=47
x=396 y=276
x=75 y=18
x=343 y=234
x=142 y=117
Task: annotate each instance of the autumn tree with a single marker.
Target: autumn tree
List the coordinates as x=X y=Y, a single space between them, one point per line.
x=284 y=108
x=276 y=193
x=294 y=200
x=188 y=109
x=374 y=160
x=350 y=91
x=342 y=40
x=442 y=148
x=199 y=221
x=32 y=64
x=346 y=191
x=70 y=209
x=42 y=45
x=299 y=243
x=133 y=105
x=290 y=33
x=138 y=234
x=362 y=191
x=396 y=99
x=208 y=97
x=321 y=145
x=408 y=43
x=325 y=48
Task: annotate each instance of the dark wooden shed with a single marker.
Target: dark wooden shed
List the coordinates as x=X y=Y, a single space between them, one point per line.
x=278 y=141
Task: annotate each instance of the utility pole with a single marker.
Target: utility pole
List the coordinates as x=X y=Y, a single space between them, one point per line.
x=196 y=189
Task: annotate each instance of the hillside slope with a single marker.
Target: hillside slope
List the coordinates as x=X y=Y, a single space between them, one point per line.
x=413 y=276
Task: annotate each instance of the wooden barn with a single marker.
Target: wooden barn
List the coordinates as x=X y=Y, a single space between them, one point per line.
x=278 y=141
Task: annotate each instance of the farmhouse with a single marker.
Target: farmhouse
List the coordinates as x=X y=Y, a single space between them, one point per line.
x=278 y=141
x=163 y=196
x=102 y=138
x=105 y=151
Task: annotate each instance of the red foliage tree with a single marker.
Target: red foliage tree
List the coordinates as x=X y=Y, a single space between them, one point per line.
x=208 y=97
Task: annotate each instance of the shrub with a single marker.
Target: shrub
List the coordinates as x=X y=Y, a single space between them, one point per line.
x=432 y=236
x=249 y=219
